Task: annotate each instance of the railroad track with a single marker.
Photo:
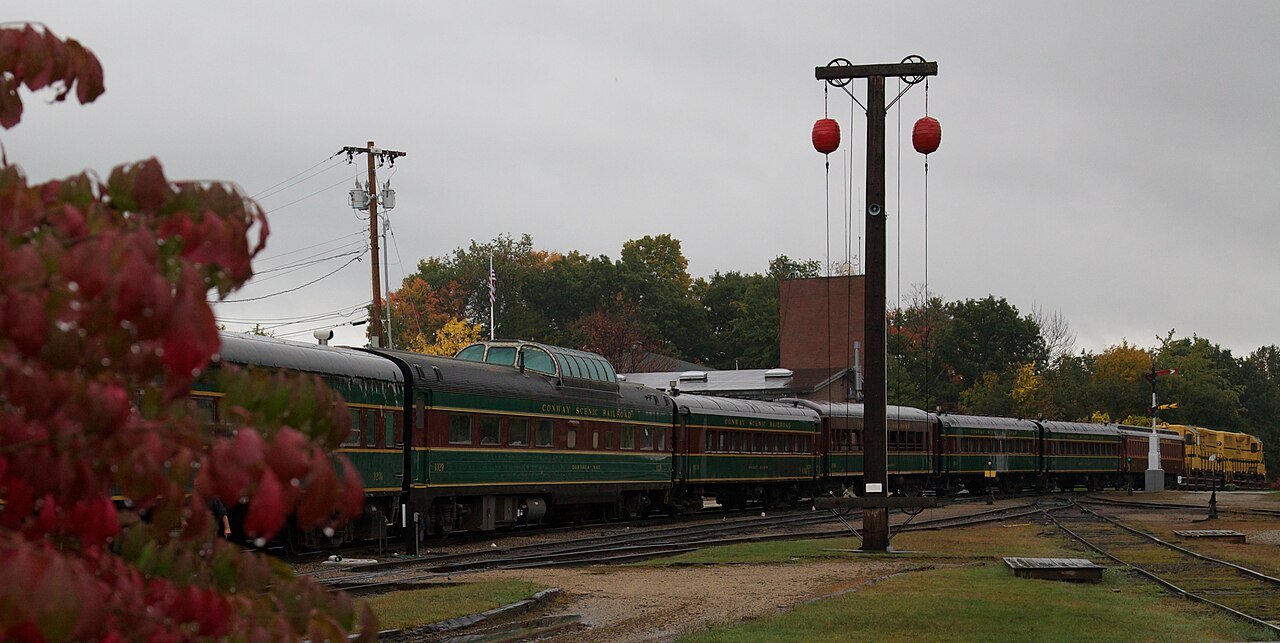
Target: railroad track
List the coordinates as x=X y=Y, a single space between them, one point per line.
x=639 y=546
x=1173 y=505
x=1240 y=591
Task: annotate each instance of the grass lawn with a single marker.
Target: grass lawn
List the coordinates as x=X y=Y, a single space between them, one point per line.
x=987 y=603
x=397 y=610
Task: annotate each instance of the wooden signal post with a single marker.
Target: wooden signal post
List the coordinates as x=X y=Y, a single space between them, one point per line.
x=876 y=501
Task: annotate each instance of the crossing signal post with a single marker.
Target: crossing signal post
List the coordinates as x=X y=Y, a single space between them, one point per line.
x=1155 y=474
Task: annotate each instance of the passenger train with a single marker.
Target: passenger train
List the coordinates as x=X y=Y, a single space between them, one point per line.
x=516 y=432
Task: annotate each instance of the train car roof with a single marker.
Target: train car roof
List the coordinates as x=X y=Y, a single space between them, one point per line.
x=257 y=350
x=1129 y=429
x=1088 y=428
x=954 y=420
x=448 y=373
x=710 y=405
x=856 y=410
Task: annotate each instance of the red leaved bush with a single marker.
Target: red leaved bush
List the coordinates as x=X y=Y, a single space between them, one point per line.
x=105 y=325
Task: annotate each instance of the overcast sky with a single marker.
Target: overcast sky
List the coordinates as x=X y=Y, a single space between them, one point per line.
x=1115 y=162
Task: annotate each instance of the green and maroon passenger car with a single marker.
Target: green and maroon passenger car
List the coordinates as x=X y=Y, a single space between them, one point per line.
x=979 y=452
x=744 y=450
x=507 y=432
x=911 y=445
x=373 y=389
x=1080 y=454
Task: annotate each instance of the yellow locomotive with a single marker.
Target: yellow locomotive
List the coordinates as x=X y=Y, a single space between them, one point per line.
x=1226 y=457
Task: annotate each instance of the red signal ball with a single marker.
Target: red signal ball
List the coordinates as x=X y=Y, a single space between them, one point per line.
x=826 y=135
x=926 y=136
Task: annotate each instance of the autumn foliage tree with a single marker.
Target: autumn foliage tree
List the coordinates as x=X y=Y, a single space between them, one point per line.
x=105 y=325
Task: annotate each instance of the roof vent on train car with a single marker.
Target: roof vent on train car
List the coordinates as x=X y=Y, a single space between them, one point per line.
x=775 y=373
x=693 y=376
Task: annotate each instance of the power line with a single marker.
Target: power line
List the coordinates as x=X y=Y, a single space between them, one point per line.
x=298 y=182
x=295 y=176
x=258 y=320
x=315 y=328
x=308 y=258
x=317 y=245
x=330 y=274
x=351 y=311
x=305 y=197
x=288 y=270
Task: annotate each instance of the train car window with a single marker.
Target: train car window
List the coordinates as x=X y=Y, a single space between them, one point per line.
x=1253 y=448
x=608 y=371
x=646 y=438
x=353 y=437
x=662 y=440
x=608 y=439
x=205 y=411
x=472 y=353
x=593 y=369
x=371 y=427
x=504 y=355
x=421 y=411
x=710 y=440
x=518 y=432
x=573 y=364
x=490 y=431
x=538 y=360
x=580 y=366
x=595 y=439
x=759 y=443
x=389 y=428
x=571 y=438
x=544 y=434
x=459 y=429
x=628 y=437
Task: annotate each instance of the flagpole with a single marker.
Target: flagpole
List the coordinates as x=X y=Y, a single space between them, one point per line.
x=492 y=297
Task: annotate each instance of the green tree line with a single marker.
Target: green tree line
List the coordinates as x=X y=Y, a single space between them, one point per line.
x=981 y=356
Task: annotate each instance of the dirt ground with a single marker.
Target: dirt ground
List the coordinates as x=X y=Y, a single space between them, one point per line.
x=661 y=603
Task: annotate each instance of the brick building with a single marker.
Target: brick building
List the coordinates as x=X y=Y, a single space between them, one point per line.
x=820 y=322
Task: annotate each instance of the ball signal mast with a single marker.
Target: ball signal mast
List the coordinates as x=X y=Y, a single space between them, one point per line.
x=1155 y=474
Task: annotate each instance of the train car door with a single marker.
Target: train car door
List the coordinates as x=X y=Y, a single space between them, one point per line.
x=680 y=447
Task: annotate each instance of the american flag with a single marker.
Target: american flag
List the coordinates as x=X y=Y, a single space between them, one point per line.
x=493 y=285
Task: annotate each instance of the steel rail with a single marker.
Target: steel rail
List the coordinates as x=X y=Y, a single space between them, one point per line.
x=1155 y=578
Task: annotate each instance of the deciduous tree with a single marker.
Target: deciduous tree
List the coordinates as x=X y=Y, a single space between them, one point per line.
x=105 y=320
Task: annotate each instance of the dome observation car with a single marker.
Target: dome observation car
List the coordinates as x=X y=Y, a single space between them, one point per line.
x=582 y=369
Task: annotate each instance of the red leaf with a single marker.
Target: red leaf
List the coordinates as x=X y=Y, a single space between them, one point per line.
x=36 y=63
x=266 y=508
x=23 y=267
x=47 y=519
x=229 y=463
x=10 y=103
x=191 y=338
x=320 y=495
x=288 y=454
x=88 y=76
x=352 y=490
x=150 y=188
x=26 y=321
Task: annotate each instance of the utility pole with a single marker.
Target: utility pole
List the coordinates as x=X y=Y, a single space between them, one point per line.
x=375 y=318
x=875 y=501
